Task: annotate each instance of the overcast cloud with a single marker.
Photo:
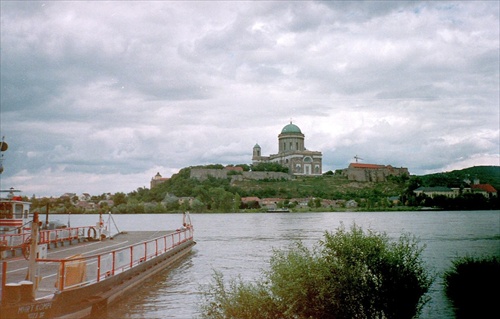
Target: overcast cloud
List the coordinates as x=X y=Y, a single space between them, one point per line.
x=100 y=96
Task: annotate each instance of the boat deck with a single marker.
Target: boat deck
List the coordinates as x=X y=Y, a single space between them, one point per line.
x=17 y=267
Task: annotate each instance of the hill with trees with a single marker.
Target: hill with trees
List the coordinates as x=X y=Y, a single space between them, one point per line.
x=457 y=178
x=461 y=179
x=224 y=195
x=181 y=192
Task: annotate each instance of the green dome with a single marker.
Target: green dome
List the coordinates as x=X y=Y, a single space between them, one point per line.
x=291 y=128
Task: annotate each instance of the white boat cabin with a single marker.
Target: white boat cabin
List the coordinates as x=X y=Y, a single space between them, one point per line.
x=14 y=214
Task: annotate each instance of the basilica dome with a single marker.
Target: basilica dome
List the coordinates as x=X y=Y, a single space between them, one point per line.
x=291 y=128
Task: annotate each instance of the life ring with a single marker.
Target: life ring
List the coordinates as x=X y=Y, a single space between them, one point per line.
x=92 y=231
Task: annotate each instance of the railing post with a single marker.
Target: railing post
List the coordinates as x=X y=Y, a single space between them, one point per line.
x=145 y=251
x=113 y=269
x=156 y=247
x=62 y=275
x=98 y=268
x=131 y=256
x=4 y=278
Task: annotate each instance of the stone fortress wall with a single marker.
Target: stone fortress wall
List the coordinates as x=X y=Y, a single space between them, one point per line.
x=203 y=173
x=372 y=172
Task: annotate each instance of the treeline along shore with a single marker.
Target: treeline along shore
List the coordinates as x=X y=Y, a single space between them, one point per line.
x=330 y=192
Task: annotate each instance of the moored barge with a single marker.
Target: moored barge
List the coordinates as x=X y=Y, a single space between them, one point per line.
x=80 y=280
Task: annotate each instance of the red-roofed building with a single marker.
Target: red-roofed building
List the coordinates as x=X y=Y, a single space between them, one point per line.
x=363 y=165
x=362 y=172
x=485 y=189
x=250 y=199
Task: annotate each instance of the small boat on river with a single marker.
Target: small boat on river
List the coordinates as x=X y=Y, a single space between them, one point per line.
x=89 y=268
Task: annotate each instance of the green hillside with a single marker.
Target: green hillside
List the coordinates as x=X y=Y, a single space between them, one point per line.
x=325 y=187
x=485 y=175
x=221 y=194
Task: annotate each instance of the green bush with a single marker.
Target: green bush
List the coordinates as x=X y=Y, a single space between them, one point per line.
x=472 y=285
x=349 y=274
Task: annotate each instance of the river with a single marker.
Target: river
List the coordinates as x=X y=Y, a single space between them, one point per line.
x=241 y=244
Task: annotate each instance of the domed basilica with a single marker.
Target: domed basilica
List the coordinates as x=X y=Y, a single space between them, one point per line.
x=292 y=153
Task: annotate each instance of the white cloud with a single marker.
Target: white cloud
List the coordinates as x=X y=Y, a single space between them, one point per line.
x=99 y=96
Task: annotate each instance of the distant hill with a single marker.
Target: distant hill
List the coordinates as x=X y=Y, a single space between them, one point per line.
x=485 y=175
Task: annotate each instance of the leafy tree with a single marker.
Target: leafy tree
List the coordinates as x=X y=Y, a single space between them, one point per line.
x=152 y=208
x=317 y=202
x=221 y=200
x=269 y=167
x=119 y=198
x=237 y=202
x=202 y=194
x=142 y=194
x=197 y=206
x=184 y=206
x=349 y=274
x=213 y=166
x=104 y=206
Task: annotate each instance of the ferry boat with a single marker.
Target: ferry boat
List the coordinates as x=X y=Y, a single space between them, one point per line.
x=93 y=270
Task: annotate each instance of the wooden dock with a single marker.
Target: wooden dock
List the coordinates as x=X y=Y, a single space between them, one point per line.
x=47 y=276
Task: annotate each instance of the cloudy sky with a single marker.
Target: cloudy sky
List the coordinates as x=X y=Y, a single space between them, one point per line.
x=100 y=96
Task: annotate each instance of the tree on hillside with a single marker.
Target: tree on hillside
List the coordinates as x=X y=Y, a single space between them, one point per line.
x=269 y=167
x=221 y=200
x=198 y=206
x=119 y=198
x=236 y=202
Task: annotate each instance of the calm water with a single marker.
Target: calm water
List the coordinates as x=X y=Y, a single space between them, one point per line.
x=241 y=244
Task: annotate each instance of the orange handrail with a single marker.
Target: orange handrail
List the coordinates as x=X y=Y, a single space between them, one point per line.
x=104 y=270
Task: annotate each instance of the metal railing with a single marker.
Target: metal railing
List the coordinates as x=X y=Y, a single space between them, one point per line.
x=53 y=236
x=78 y=271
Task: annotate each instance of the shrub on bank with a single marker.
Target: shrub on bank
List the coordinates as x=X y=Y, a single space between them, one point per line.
x=473 y=287
x=348 y=274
